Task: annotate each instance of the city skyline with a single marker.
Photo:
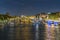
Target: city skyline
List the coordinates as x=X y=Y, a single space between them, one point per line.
x=29 y=7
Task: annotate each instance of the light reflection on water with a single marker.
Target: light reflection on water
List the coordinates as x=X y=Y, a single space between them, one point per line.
x=29 y=32
x=50 y=32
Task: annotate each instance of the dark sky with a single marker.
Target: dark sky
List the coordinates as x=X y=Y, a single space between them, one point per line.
x=29 y=7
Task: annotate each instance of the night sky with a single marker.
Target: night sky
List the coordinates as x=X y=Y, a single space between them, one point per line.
x=29 y=7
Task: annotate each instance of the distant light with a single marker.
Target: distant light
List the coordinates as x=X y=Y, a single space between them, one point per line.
x=49 y=13
x=22 y=15
x=52 y=25
x=49 y=23
x=40 y=18
x=32 y=17
x=55 y=23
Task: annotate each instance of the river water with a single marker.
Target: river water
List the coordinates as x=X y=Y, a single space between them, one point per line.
x=29 y=31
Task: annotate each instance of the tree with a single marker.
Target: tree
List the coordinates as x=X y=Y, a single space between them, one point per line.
x=7 y=13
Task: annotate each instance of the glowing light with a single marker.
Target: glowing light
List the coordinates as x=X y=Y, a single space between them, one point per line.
x=49 y=13
x=55 y=23
x=52 y=25
x=22 y=15
x=49 y=23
